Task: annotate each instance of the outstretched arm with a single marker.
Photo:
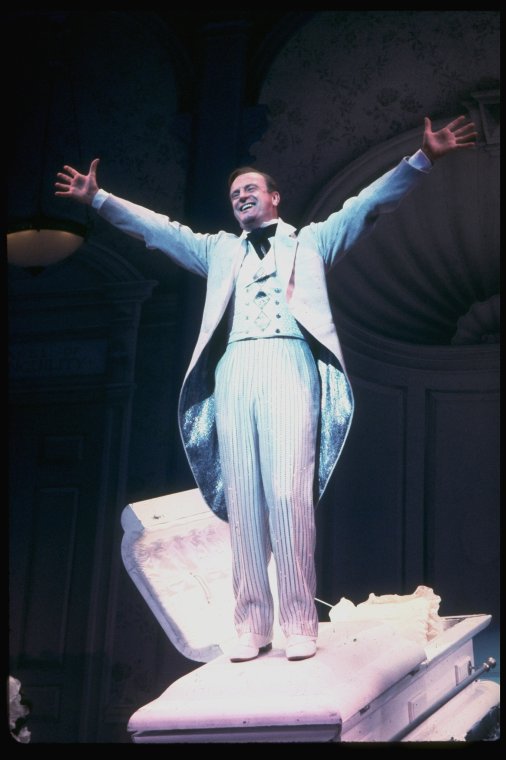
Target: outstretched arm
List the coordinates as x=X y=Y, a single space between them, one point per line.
x=80 y=187
x=357 y=218
x=188 y=249
x=454 y=136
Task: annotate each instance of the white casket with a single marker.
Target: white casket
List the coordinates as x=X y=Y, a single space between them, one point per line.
x=369 y=681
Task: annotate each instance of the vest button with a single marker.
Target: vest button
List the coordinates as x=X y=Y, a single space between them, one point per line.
x=278 y=316
x=278 y=330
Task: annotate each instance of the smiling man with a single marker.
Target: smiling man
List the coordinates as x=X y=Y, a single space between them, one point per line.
x=264 y=415
x=254 y=196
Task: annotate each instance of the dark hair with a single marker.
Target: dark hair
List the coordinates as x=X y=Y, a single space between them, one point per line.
x=269 y=181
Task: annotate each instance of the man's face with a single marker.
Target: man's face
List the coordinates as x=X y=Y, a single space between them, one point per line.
x=251 y=202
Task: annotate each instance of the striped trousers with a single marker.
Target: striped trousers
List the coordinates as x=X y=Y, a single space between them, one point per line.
x=267 y=408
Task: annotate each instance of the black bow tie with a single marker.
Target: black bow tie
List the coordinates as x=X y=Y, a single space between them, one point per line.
x=259 y=238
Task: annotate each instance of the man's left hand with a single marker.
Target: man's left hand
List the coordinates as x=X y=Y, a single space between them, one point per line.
x=457 y=134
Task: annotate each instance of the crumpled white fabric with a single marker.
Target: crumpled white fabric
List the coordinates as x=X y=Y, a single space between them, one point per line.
x=16 y=711
x=415 y=616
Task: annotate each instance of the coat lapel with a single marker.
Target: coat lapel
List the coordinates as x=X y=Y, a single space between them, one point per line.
x=231 y=269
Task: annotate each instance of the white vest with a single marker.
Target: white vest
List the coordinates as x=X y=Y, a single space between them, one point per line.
x=259 y=308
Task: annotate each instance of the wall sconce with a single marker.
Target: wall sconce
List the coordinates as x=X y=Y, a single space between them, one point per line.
x=42 y=246
x=42 y=229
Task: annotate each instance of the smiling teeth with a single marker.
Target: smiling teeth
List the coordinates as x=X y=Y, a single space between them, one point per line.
x=247 y=206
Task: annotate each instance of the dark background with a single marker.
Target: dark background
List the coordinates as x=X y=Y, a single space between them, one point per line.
x=99 y=342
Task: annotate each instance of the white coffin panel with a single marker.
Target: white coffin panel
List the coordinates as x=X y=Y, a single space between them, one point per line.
x=363 y=689
x=269 y=692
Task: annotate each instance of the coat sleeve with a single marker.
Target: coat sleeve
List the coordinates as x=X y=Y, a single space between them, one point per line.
x=187 y=248
x=359 y=214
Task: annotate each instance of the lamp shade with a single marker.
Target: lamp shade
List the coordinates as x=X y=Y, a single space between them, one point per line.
x=32 y=247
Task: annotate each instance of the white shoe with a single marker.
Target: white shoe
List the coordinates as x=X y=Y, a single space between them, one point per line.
x=249 y=646
x=299 y=647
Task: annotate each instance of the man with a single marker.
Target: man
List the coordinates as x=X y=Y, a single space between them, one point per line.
x=266 y=404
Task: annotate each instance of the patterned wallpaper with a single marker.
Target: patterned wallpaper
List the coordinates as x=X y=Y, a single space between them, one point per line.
x=107 y=83
x=127 y=107
x=349 y=80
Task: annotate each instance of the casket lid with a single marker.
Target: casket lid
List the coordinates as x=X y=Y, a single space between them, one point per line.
x=178 y=554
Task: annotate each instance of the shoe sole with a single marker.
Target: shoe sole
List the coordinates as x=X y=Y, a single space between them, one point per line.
x=296 y=657
x=261 y=650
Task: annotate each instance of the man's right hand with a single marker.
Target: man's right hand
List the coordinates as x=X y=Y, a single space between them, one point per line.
x=78 y=187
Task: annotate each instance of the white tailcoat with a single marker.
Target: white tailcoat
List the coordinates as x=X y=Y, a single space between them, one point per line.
x=303 y=260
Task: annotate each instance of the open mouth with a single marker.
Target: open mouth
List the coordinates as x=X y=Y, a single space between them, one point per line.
x=246 y=207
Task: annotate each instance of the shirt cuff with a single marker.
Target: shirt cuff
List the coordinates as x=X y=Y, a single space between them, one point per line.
x=420 y=161
x=98 y=199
